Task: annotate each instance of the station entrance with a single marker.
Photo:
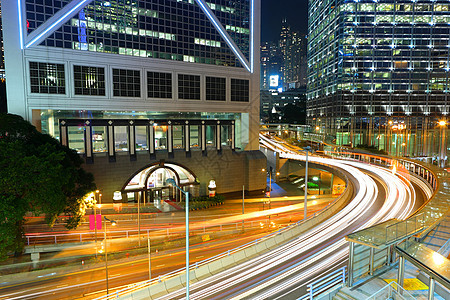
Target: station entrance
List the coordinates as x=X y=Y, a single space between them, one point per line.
x=149 y=185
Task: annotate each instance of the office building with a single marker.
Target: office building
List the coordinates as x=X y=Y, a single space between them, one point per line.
x=378 y=72
x=155 y=89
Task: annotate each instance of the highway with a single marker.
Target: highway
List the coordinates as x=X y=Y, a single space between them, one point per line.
x=90 y=283
x=283 y=272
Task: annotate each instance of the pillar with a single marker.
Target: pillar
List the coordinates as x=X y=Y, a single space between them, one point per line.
x=111 y=149
x=63 y=133
x=431 y=289
x=203 y=137
x=170 y=139
x=233 y=136
x=88 y=151
x=151 y=140
x=350 y=263
x=371 y=260
x=218 y=137
x=401 y=274
x=132 y=140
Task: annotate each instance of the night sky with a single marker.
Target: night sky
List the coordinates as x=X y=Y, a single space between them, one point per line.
x=273 y=11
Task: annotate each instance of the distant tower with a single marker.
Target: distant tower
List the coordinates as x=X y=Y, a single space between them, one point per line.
x=2 y=57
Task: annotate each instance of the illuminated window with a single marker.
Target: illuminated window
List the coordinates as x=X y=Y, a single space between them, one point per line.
x=89 y=81
x=47 y=78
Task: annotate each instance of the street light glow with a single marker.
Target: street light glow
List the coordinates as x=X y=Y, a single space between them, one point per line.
x=442 y=123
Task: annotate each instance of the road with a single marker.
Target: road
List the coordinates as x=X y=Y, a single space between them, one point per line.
x=283 y=273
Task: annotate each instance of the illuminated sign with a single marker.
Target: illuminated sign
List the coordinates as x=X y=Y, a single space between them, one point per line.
x=274 y=80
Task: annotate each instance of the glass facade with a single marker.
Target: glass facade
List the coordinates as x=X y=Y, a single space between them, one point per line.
x=377 y=66
x=170 y=29
x=378 y=58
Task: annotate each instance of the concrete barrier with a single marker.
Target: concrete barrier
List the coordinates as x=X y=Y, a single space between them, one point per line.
x=269 y=243
x=174 y=283
x=156 y=290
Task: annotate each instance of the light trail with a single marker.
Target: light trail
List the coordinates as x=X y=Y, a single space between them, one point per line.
x=316 y=250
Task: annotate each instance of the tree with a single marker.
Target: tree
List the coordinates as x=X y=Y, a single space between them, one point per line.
x=37 y=175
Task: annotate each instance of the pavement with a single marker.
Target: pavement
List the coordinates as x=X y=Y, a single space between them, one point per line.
x=369 y=285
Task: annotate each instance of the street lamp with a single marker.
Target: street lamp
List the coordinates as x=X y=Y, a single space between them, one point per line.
x=171 y=181
x=317 y=179
x=270 y=185
x=113 y=223
x=306 y=149
x=442 y=125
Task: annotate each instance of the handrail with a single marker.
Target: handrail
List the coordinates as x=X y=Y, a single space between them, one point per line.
x=391 y=290
x=137 y=286
x=325 y=284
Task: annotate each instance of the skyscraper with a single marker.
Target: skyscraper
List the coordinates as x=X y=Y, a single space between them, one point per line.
x=2 y=56
x=377 y=66
x=139 y=76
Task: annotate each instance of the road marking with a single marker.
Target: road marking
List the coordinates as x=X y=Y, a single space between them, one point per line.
x=200 y=256
x=160 y=266
x=60 y=286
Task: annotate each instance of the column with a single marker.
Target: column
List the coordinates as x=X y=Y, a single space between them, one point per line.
x=88 y=142
x=371 y=260
x=111 y=149
x=233 y=137
x=63 y=134
x=218 y=137
x=151 y=140
x=350 y=263
x=431 y=289
x=203 y=138
x=132 y=140
x=187 y=139
x=401 y=274
x=170 y=139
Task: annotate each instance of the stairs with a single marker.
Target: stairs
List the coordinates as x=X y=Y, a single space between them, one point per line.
x=341 y=295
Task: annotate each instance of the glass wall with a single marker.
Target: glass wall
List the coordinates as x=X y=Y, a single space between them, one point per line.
x=99 y=138
x=194 y=136
x=120 y=138
x=178 y=136
x=225 y=136
x=76 y=138
x=141 y=138
x=210 y=136
x=160 y=137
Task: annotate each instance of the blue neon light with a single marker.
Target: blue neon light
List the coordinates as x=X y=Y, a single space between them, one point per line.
x=252 y=35
x=19 y=8
x=56 y=23
x=222 y=33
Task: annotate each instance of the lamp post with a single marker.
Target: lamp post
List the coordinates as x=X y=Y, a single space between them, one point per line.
x=305 y=209
x=270 y=186
x=172 y=182
x=113 y=223
x=442 y=151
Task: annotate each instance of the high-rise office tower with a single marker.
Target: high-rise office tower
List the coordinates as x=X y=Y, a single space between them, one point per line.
x=2 y=56
x=379 y=70
x=157 y=81
x=271 y=64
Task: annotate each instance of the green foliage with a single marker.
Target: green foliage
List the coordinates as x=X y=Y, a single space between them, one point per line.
x=37 y=175
x=203 y=202
x=312 y=185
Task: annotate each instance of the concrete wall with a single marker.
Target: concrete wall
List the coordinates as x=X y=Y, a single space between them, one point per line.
x=229 y=169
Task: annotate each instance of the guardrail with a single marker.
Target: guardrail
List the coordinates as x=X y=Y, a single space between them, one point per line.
x=221 y=261
x=325 y=285
x=41 y=239
x=392 y=291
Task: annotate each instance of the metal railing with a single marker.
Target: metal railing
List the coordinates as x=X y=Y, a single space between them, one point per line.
x=325 y=284
x=310 y=221
x=392 y=291
x=45 y=239
x=403 y=229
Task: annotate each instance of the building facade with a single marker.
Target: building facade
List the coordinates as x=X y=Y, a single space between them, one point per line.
x=378 y=72
x=183 y=70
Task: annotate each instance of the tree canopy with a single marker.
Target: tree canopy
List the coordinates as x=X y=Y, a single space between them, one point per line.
x=37 y=175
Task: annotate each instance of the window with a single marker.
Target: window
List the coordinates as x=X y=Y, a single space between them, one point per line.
x=47 y=78
x=159 y=85
x=215 y=89
x=189 y=87
x=89 y=81
x=239 y=90
x=126 y=83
